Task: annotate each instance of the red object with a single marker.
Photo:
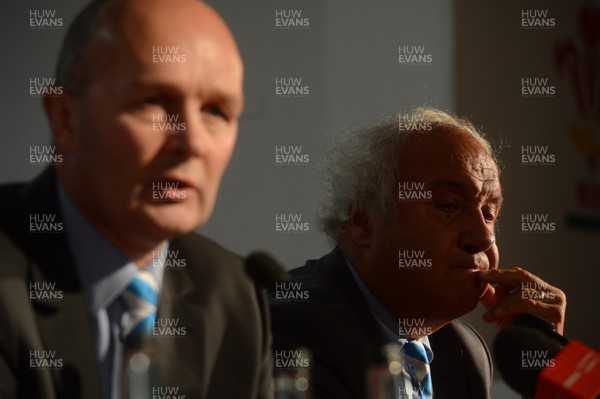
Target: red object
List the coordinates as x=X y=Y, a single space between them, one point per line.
x=574 y=375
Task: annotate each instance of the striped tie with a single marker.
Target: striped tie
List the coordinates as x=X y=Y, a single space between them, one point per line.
x=141 y=296
x=418 y=361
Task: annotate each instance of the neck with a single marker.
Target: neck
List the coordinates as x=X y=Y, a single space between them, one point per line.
x=139 y=249
x=140 y=252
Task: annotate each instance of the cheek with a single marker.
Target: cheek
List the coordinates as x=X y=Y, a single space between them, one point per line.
x=220 y=155
x=120 y=153
x=387 y=243
x=422 y=229
x=110 y=140
x=137 y=141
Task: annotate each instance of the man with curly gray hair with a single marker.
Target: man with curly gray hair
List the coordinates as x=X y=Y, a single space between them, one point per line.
x=410 y=204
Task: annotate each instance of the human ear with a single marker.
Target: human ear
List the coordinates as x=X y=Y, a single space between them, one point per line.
x=60 y=111
x=359 y=226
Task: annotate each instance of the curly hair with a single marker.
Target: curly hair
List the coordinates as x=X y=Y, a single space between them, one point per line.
x=360 y=168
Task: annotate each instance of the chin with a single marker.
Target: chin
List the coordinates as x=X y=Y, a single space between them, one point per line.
x=471 y=307
x=462 y=304
x=176 y=220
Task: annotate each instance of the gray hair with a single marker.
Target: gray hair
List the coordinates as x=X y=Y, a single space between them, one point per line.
x=360 y=170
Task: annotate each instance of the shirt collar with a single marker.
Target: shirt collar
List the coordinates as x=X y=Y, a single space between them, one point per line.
x=386 y=323
x=104 y=271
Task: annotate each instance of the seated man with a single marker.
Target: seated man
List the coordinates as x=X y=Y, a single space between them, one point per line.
x=411 y=209
x=93 y=247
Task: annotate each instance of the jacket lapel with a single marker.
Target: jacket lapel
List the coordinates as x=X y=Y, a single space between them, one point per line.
x=334 y=267
x=345 y=302
x=185 y=359
x=447 y=369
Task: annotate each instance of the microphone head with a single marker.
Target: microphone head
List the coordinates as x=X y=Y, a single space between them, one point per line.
x=537 y=323
x=530 y=320
x=521 y=354
x=264 y=269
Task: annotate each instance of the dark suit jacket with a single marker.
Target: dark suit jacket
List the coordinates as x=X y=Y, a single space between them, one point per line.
x=336 y=325
x=226 y=350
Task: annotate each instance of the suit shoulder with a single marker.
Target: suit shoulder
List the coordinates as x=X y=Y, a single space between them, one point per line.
x=304 y=293
x=194 y=245
x=209 y=261
x=313 y=307
x=470 y=335
x=312 y=277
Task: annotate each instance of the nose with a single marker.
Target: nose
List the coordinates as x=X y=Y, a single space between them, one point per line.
x=190 y=140
x=477 y=234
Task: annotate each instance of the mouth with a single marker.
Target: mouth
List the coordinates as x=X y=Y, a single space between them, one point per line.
x=470 y=267
x=177 y=182
x=171 y=189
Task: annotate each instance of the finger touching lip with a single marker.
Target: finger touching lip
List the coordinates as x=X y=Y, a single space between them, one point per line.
x=471 y=266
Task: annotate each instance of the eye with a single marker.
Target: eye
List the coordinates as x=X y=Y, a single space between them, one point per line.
x=153 y=100
x=490 y=213
x=215 y=110
x=488 y=216
x=447 y=206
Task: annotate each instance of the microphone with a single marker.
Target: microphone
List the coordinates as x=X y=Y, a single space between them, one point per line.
x=264 y=269
x=516 y=349
x=536 y=322
x=538 y=365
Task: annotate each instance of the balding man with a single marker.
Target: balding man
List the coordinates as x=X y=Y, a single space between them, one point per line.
x=146 y=127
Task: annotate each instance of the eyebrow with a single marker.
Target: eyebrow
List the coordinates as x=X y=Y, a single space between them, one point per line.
x=137 y=83
x=461 y=187
x=237 y=102
x=233 y=100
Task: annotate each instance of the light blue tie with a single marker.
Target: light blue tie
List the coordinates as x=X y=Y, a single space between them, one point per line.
x=141 y=296
x=417 y=364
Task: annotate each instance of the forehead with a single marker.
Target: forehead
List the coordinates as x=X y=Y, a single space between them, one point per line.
x=176 y=41
x=448 y=154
